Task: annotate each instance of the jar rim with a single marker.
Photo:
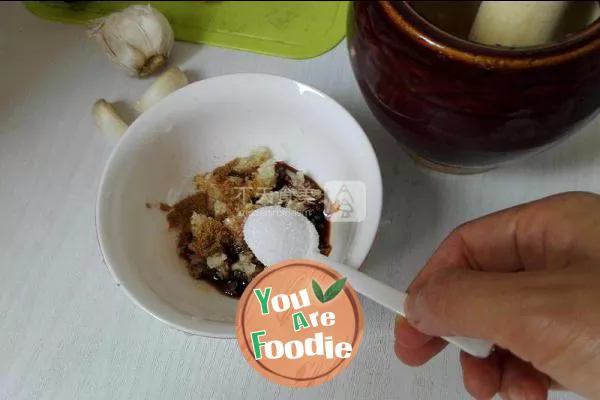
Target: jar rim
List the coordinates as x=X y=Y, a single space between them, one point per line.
x=407 y=19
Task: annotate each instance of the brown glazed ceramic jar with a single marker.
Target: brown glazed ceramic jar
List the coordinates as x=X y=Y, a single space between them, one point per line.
x=463 y=107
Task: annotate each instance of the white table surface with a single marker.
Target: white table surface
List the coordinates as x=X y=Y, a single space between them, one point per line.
x=68 y=332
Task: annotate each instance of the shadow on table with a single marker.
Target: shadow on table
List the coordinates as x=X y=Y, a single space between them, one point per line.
x=125 y=110
x=182 y=52
x=411 y=202
x=575 y=153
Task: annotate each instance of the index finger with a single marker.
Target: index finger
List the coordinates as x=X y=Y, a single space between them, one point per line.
x=526 y=237
x=487 y=243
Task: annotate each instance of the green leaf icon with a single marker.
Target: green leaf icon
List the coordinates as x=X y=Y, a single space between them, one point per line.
x=318 y=291
x=334 y=290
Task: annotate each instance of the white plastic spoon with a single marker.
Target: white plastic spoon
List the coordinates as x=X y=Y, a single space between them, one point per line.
x=276 y=234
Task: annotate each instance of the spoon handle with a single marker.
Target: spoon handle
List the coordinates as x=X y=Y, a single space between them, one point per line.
x=393 y=300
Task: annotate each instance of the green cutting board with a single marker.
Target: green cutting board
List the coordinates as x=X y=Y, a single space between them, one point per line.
x=291 y=29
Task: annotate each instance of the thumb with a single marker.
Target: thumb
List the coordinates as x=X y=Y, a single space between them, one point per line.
x=476 y=304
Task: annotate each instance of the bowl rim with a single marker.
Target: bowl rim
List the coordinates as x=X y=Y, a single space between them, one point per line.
x=227 y=330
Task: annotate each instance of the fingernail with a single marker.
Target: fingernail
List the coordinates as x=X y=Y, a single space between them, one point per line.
x=414 y=308
x=399 y=319
x=399 y=324
x=420 y=317
x=517 y=393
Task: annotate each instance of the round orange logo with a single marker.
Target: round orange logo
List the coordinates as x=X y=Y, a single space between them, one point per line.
x=299 y=323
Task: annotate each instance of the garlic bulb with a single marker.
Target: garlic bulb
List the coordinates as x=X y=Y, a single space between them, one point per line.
x=138 y=39
x=107 y=119
x=168 y=82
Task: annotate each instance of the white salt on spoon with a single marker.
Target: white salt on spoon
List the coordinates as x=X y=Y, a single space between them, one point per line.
x=276 y=234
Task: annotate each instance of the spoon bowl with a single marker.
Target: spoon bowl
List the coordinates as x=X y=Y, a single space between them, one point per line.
x=275 y=234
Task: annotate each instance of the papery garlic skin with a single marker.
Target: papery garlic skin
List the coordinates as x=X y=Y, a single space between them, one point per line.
x=138 y=39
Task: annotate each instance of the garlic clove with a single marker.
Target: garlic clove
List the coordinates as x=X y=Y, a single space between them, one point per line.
x=138 y=39
x=107 y=119
x=171 y=80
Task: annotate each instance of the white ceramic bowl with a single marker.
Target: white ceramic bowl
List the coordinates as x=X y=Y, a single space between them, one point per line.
x=194 y=130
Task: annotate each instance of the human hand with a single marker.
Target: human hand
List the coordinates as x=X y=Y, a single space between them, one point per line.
x=526 y=279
